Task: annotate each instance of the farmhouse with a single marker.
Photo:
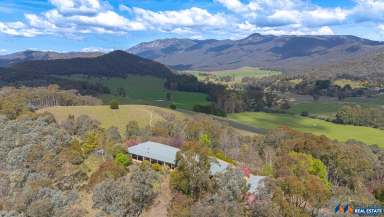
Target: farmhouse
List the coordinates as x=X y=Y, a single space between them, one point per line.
x=155 y=153
x=166 y=155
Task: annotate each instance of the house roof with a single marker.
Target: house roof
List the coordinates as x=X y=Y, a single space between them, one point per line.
x=254 y=182
x=218 y=166
x=166 y=153
x=156 y=151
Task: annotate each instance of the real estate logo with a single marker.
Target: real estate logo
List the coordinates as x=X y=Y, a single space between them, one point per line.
x=361 y=211
x=344 y=209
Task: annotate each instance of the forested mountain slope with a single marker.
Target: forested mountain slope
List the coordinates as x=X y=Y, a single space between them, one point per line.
x=286 y=53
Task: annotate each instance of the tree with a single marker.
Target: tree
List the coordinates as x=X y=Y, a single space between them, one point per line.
x=112 y=135
x=172 y=106
x=132 y=130
x=168 y=96
x=126 y=197
x=123 y=159
x=192 y=173
x=121 y=92
x=114 y=104
x=303 y=181
x=379 y=193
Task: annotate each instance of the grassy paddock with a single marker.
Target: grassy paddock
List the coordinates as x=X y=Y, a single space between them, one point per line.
x=119 y=118
x=143 y=90
x=335 y=131
x=331 y=107
x=237 y=74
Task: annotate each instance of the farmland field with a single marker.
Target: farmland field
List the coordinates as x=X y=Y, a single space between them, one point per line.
x=331 y=107
x=119 y=118
x=143 y=90
x=236 y=74
x=143 y=114
x=335 y=131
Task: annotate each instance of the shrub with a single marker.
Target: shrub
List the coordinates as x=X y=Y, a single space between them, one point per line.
x=157 y=167
x=209 y=109
x=114 y=104
x=123 y=159
x=172 y=106
x=221 y=155
x=379 y=193
x=304 y=114
x=109 y=169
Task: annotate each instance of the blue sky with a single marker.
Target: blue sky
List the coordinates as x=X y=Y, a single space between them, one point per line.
x=104 y=25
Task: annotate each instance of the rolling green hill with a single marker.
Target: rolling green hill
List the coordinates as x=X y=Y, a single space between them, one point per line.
x=330 y=108
x=335 y=131
x=116 y=63
x=236 y=74
x=143 y=114
x=142 y=90
x=119 y=118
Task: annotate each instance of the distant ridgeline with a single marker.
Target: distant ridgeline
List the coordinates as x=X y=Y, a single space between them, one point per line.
x=117 y=63
x=114 y=64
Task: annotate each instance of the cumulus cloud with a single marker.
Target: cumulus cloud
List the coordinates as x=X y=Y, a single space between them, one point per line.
x=188 y=17
x=235 y=18
x=77 y=6
x=18 y=29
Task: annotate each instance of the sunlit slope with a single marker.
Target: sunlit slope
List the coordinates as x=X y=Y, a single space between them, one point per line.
x=335 y=131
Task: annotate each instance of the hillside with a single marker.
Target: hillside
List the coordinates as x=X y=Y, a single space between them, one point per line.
x=308 y=125
x=116 y=63
x=137 y=89
x=30 y=55
x=144 y=115
x=286 y=53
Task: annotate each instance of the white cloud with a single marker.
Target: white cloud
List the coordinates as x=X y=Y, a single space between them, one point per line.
x=77 y=6
x=18 y=29
x=3 y=51
x=325 y=30
x=285 y=12
x=246 y=26
x=188 y=17
x=96 y=49
x=76 y=18
x=107 y=19
x=234 y=5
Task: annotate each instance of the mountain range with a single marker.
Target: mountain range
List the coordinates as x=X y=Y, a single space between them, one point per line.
x=334 y=53
x=30 y=55
x=116 y=63
x=286 y=53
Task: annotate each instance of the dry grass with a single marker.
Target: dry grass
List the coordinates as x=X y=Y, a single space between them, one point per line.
x=143 y=114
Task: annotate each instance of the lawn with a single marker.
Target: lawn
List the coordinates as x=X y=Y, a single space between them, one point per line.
x=335 y=131
x=143 y=90
x=119 y=118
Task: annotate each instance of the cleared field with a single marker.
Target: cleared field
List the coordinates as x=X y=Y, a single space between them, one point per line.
x=353 y=84
x=143 y=90
x=315 y=126
x=144 y=115
x=236 y=74
x=330 y=107
x=318 y=108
